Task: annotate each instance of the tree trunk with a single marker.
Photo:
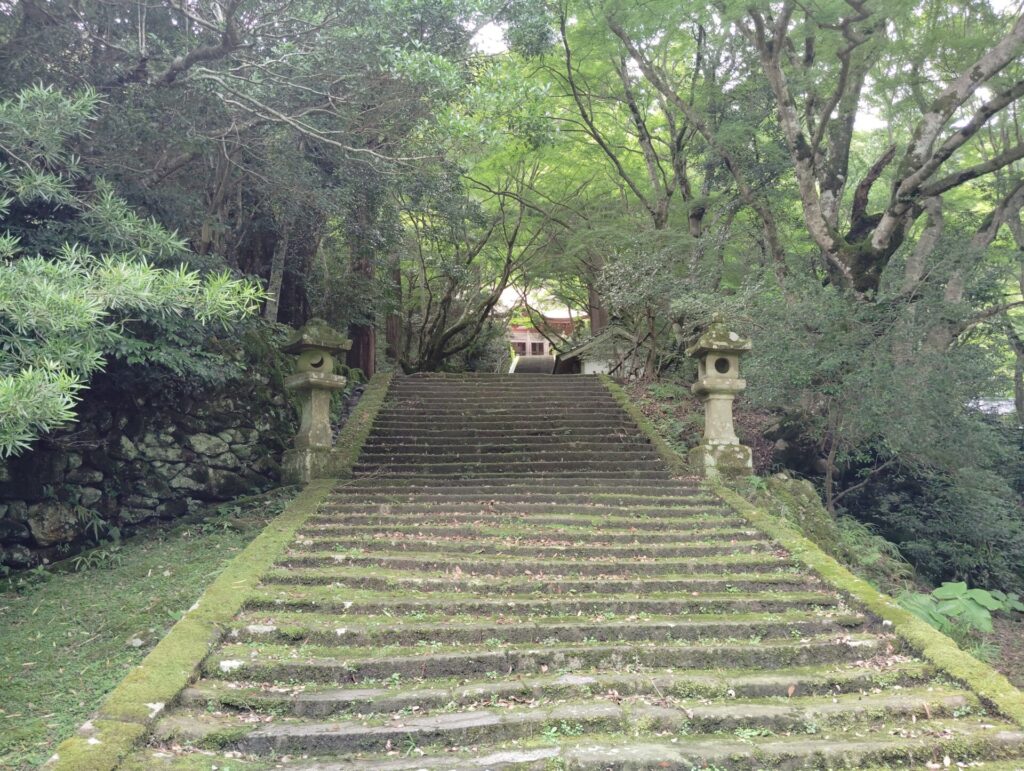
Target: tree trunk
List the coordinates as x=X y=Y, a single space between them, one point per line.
x=363 y=354
x=393 y=328
x=1017 y=344
x=1018 y=387
x=595 y=303
x=595 y=308
x=276 y=278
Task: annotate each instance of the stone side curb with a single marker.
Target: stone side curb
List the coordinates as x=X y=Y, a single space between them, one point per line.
x=990 y=686
x=357 y=427
x=127 y=714
x=676 y=462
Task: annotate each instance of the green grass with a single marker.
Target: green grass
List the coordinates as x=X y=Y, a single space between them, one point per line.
x=64 y=640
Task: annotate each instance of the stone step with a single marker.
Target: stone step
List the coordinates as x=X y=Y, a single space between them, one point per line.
x=549 y=426
x=267 y=663
x=606 y=413
x=314 y=700
x=330 y=600
x=493 y=500
x=525 y=548
x=505 y=406
x=485 y=585
x=466 y=457
x=490 y=726
x=414 y=443
x=586 y=483
x=903 y=747
x=484 y=403
x=535 y=386
x=625 y=499
x=534 y=516
x=411 y=454
x=301 y=627
x=549 y=492
x=511 y=530
x=609 y=423
x=757 y=562
x=547 y=471
x=524 y=393
x=511 y=433
x=611 y=469
x=582 y=391
x=488 y=514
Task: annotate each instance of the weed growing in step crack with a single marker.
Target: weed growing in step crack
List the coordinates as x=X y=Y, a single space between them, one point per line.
x=553 y=731
x=749 y=734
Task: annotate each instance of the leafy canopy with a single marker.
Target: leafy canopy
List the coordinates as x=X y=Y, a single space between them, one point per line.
x=77 y=270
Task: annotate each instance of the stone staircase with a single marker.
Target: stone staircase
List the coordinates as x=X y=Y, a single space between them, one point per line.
x=513 y=579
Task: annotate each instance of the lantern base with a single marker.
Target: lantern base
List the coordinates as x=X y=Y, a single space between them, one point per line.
x=301 y=466
x=721 y=460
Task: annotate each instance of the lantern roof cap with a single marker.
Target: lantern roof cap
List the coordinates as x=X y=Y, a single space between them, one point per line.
x=718 y=338
x=316 y=334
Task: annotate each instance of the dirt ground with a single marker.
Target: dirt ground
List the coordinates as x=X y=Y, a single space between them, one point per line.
x=1009 y=636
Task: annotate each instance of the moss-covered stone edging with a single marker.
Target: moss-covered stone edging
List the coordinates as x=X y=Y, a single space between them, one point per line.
x=357 y=427
x=990 y=686
x=125 y=717
x=676 y=462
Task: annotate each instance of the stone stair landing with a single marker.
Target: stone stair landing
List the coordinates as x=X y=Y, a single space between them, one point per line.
x=514 y=579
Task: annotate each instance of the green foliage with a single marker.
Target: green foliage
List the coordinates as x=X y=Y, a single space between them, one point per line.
x=869 y=554
x=963 y=614
x=73 y=302
x=894 y=420
x=108 y=557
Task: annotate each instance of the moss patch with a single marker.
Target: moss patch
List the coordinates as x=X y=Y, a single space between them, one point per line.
x=797 y=501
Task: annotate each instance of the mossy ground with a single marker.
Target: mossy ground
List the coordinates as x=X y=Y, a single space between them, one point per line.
x=63 y=648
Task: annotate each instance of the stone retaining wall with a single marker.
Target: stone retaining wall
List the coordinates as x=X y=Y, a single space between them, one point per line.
x=134 y=457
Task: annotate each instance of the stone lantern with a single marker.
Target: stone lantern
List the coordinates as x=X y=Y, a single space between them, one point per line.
x=315 y=346
x=718 y=353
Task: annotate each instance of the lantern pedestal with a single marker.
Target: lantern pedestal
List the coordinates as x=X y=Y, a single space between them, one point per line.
x=315 y=346
x=314 y=448
x=718 y=353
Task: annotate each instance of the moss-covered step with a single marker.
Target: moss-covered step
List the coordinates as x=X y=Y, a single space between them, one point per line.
x=512 y=567
x=284 y=735
x=580 y=517
x=317 y=700
x=412 y=454
x=315 y=630
x=360 y=603
x=962 y=741
x=411 y=543
x=316 y=664
x=658 y=492
x=503 y=442
x=501 y=587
